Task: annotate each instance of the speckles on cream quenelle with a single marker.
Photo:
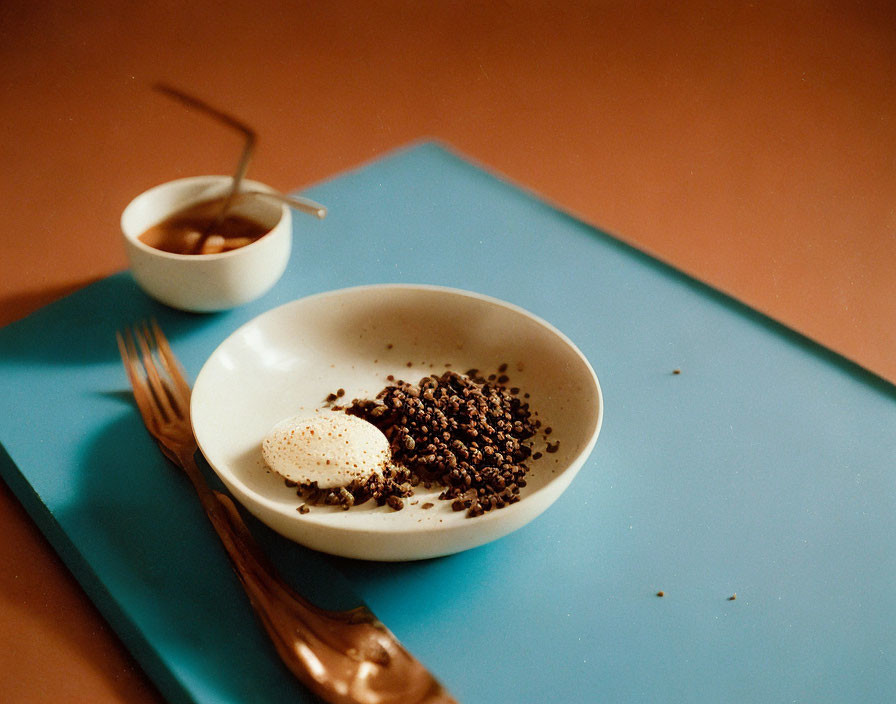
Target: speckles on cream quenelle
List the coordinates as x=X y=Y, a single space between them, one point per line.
x=332 y=449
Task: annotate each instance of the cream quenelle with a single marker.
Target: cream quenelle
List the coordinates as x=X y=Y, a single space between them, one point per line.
x=330 y=448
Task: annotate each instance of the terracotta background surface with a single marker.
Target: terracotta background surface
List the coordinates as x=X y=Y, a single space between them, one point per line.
x=751 y=144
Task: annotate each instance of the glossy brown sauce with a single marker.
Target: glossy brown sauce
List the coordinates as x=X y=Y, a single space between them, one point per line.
x=196 y=230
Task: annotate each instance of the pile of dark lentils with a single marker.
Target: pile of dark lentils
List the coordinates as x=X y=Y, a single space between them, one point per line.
x=391 y=488
x=467 y=433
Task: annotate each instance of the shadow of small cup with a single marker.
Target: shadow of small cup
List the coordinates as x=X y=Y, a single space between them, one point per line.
x=206 y=282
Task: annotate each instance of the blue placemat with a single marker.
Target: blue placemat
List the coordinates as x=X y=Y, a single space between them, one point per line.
x=765 y=468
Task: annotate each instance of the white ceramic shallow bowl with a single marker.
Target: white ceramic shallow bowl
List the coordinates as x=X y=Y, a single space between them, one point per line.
x=289 y=359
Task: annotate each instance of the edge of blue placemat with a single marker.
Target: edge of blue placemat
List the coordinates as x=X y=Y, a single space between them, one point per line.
x=770 y=323
x=162 y=677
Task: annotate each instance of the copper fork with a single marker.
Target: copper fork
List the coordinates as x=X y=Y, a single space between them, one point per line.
x=345 y=657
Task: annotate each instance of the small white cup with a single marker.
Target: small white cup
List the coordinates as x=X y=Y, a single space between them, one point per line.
x=206 y=282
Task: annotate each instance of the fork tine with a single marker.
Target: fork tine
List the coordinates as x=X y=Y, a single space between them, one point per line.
x=157 y=386
x=129 y=358
x=181 y=390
